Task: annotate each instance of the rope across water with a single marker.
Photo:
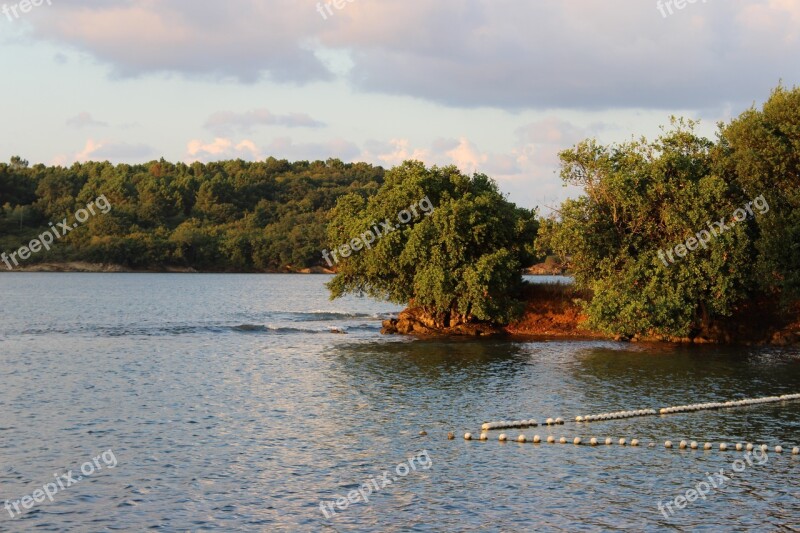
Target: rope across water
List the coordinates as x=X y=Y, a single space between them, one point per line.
x=505 y=424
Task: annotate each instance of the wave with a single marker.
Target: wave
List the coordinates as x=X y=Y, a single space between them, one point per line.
x=161 y=330
x=322 y=316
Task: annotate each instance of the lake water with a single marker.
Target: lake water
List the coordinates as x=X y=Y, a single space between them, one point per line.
x=229 y=403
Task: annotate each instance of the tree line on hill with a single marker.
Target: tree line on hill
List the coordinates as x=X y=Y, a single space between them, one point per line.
x=226 y=216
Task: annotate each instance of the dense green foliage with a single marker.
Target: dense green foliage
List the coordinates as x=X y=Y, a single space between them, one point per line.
x=463 y=259
x=226 y=216
x=761 y=149
x=642 y=198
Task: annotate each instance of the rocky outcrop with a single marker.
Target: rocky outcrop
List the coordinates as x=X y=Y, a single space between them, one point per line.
x=417 y=321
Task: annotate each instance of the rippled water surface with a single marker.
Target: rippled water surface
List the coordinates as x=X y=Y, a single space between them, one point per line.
x=237 y=402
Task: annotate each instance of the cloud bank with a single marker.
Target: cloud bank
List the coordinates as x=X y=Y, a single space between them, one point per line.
x=497 y=53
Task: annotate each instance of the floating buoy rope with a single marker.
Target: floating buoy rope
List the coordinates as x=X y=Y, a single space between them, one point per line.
x=594 y=441
x=618 y=415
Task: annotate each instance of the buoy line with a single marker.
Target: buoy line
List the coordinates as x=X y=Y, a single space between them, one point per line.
x=723 y=405
x=616 y=416
x=619 y=415
x=507 y=424
x=688 y=408
x=594 y=441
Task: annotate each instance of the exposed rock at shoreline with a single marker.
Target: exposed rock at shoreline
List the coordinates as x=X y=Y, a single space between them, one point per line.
x=315 y=270
x=416 y=321
x=555 y=312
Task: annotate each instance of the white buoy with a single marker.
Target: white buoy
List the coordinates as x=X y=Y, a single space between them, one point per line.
x=484 y=436
x=549 y=421
x=778 y=449
x=682 y=445
x=577 y=441
x=578 y=419
x=593 y=441
x=668 y=444
x=707 y=446
x=622 y=442
x=764 y=447
x=551 y=439
x=749 y=447
x=635 y=442
x=559 y=421
x=723 y=447
x=693 y=445
x=795 y=451
x=502 y=437
x=563 y=440
x=537 y=439
x=739 y=446
x=486 y=426
x=609 y=442
x=522 y=438
x=467 y=436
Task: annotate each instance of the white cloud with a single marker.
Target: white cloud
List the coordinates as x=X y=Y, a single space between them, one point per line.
x=393 y=152
x=223 y=148
x=105 y=150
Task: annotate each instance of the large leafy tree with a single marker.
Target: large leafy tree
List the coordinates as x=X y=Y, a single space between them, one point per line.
x=462 y=260
x=641 y=198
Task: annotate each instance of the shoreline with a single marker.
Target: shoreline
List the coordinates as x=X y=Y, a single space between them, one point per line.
x=555 y=312
x=110 y=268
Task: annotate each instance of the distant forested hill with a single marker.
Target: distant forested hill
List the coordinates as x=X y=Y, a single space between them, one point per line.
x=225 y=216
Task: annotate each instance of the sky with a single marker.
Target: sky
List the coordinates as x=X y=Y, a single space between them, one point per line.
x=492 y=86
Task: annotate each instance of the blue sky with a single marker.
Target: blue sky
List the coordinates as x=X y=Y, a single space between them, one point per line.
x=494 y=86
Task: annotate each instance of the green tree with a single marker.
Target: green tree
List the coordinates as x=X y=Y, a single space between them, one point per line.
x=643 y=198
x=462 y=260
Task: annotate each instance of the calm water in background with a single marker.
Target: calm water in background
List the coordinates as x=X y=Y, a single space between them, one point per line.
x=230 y=404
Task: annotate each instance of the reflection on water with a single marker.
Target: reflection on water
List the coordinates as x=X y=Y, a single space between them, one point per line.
x=220 y=426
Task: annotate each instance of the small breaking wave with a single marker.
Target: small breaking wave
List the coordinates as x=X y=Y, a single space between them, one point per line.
x=185 y=329
x=324 y=316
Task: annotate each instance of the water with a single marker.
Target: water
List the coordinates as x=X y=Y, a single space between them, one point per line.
x=230 y=403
